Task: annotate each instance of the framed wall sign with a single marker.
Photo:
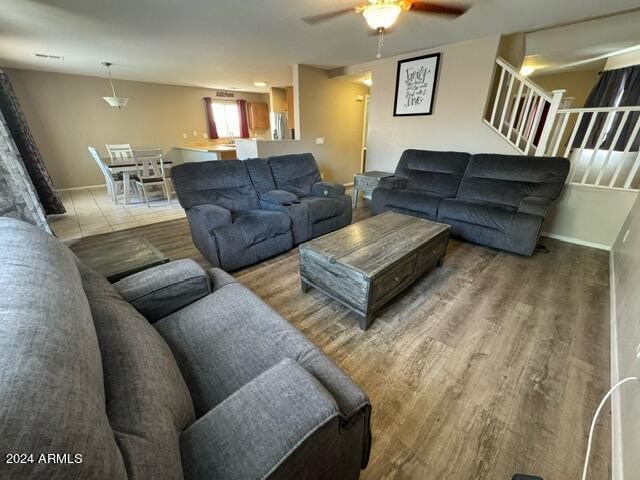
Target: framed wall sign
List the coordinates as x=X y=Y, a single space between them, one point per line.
x=416 y=85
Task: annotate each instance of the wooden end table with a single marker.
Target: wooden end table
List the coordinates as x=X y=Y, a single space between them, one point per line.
x=116 y=258
x=367 y=182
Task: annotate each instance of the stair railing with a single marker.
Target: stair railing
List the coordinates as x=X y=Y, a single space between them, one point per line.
x=522 y=112
x=601 y=143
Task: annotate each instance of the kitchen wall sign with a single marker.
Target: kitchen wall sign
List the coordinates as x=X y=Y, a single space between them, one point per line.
x=416 y=85
x=225 y=94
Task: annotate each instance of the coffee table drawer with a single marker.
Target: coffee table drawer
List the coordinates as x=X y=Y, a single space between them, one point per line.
x=392 y=281
x=432 y=252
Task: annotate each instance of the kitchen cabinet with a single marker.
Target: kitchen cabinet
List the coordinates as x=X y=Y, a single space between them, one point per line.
x=258 y=114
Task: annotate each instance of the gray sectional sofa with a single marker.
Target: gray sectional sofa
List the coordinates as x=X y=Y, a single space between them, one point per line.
x=494 y=200
x=242 y=212
x=171 y=373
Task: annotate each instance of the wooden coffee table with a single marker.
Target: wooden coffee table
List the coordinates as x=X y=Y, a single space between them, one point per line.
x=365 y=265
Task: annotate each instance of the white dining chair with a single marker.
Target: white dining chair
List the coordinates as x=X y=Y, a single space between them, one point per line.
x=151 y=172
x=120 y=152
x=112 y=180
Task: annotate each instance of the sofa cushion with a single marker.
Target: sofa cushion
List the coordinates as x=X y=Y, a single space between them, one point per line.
x=322 y=208
x=52 y=397
x=222 y=182
x=253 y=226
x=438 y=173
x=260 y=174
x=230 y=337
x=295 y=173
x=507 y=179
x=413 y=200
x=498 y=217
x=148 y=402
x=278 y=197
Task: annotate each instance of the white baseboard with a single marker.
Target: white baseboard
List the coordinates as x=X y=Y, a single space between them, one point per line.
x=577 y=241
x=617 y=472
x=80 y=188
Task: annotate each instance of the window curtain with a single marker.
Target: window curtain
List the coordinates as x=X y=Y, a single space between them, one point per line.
x=242 y=114
x=18 y=198
x=212 y=131
x=28 y=151
x=615 y=88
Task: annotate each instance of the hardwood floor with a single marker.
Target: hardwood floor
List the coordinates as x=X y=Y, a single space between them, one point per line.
x=490 y=365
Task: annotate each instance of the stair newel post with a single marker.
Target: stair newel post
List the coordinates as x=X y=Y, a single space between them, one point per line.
x=550 y=120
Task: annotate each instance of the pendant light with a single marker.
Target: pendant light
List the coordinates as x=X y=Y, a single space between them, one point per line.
x=115 y=101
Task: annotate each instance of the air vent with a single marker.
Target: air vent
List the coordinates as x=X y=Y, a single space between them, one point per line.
x=50 y=57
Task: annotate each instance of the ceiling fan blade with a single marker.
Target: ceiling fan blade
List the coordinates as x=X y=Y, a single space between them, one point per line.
x=315 y=19
x=438 y=8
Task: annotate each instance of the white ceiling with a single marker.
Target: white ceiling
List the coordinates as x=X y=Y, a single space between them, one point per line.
x=224 y=44
x=584 y=45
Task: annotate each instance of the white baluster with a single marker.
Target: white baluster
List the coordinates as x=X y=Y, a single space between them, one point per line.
x=549 y=121
x=497 y=99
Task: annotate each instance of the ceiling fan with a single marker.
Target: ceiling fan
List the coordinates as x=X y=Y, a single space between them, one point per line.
x=382 y=14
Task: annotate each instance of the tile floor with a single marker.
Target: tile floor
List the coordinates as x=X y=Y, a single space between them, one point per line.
x=90 y=211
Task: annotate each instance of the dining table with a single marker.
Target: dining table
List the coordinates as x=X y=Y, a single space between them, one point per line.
x=127 y=169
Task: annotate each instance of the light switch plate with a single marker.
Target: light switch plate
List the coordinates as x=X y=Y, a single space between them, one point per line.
x=319 y=140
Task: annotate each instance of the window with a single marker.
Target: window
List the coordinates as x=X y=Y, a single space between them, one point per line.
x=227 y=119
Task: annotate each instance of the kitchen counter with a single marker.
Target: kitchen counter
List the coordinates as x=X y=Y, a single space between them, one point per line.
x=204 y=153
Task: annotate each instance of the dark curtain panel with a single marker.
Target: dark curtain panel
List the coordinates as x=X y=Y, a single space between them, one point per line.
x=622 y=84
x=212 y=131
x=244 y=124
x=29 y=152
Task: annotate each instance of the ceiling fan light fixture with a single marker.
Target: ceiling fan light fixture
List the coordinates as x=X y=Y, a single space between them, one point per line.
x=381 y=15
x=117 y=102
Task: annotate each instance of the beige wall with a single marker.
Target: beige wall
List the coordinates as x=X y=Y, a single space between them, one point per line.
x=328 y=108
x=589 y=215
x=578 y=84
x=626 y=337
x=465 y=74
x=66 y=114
x=513 y=48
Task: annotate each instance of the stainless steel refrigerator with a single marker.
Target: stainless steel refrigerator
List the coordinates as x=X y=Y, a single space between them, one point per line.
x=279 y=126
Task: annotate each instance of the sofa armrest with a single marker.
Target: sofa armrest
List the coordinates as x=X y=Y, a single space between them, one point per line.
x=209 y=216
x=162 y=290
x=264 y=423
x=219 y=278
x=534 y=206
x=391 y=183
x=327 y=189
x=278 y=197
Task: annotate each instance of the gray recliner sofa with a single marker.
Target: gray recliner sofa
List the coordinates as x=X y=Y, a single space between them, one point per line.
x=227 y=224
x=242 y=212
x=494 y=200
x=171 y=373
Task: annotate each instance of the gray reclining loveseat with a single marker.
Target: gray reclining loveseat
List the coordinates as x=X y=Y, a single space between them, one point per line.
x=242 y=212
x=170 y=373
x=292 y=184
x=494 y=200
